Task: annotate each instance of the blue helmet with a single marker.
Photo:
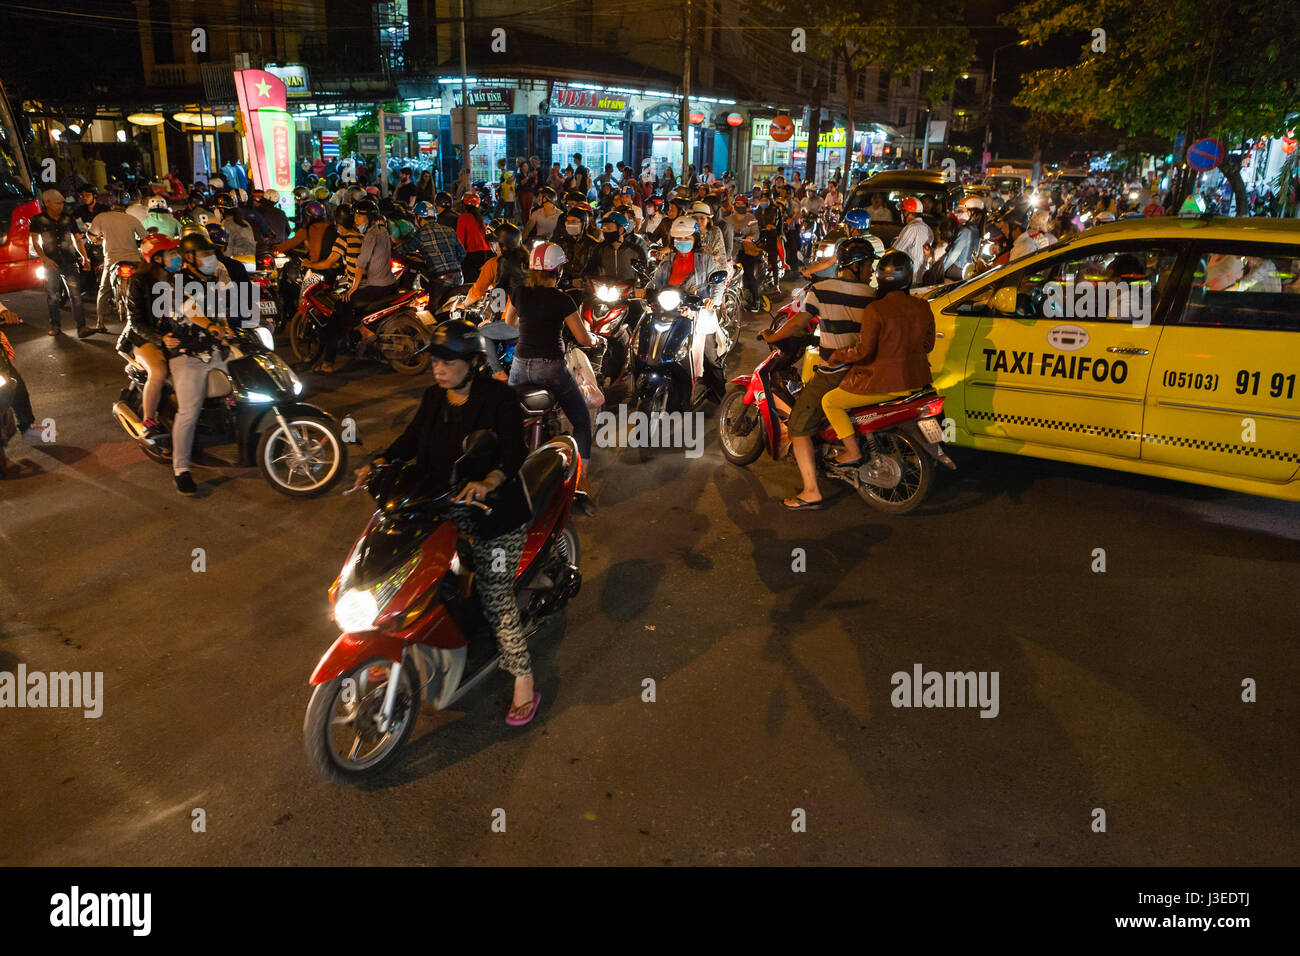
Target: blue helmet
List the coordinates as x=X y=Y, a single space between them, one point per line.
x=216 y=234
x=424 y=210
x=858 y=218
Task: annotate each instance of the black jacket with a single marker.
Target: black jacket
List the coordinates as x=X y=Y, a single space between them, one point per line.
x=492 y=405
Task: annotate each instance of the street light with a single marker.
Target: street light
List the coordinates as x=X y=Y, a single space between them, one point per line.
x=993 y=73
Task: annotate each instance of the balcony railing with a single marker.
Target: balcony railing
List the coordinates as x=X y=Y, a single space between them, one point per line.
x=173 y=75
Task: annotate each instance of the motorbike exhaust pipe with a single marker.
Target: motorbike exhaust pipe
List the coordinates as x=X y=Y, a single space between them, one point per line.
x=128 y=419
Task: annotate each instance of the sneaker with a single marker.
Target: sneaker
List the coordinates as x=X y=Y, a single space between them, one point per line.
x=185 y=484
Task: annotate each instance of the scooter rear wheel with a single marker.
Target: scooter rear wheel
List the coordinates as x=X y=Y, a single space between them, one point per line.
x=913 y=486
x=343 y=742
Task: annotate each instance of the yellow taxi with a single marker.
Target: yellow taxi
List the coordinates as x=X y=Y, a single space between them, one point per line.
x=1166 y=346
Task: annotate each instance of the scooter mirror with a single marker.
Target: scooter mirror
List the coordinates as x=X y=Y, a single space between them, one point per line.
x=477 y=449
x=719 y=276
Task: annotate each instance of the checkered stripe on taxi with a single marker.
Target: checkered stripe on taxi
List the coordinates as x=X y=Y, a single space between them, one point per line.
x=1251 y=451
x=1055 y=425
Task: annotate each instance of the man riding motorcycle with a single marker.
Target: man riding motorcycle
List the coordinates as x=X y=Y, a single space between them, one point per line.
x=888 y=360
x=856 y=223
x=441 y=251
x=193 y=349
x=578 y=243
x=463 y=401
x=837 y=304
x=689 y=267
x=621 y=253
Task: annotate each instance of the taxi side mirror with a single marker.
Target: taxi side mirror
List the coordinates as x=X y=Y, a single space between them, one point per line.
x=1005 y=300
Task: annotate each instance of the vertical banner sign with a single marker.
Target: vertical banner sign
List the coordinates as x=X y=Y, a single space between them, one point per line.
x=270 y=138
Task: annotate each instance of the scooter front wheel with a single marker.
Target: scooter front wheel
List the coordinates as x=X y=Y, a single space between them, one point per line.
x=313 y=467
x=740 y=431
x=341 y=730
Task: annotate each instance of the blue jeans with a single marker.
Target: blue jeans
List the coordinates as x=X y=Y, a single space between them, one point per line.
x=555 y=375
x=495 y=332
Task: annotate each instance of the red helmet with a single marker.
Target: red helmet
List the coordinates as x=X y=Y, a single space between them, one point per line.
x=471 y=199
x=155 y=243
x=372 y=190
x=911 y=204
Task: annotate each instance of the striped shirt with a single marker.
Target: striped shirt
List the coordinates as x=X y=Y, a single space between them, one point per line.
x=348 y=246
x=838 y=305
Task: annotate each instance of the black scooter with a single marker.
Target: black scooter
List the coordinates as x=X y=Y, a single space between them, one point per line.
x=663 y=369
x=253 y=405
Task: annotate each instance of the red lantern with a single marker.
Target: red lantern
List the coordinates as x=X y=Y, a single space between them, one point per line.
x=1288 y=142
x=735 y=119
x=697 y=119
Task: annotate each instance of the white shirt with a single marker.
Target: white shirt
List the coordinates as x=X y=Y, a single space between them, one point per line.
x=912 y=239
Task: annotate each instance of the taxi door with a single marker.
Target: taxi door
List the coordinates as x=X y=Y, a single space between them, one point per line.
x=1225 y=389
x=1063 y=351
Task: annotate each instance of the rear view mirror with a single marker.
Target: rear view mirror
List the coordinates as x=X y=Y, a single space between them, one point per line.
x=719 y=276
x=1004 y=300
x=479 y=448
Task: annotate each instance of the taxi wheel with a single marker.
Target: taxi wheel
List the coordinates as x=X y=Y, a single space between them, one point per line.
x=914 y=483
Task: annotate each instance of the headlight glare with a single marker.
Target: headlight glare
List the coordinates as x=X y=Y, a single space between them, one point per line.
x=356 y=610
x=669 y=299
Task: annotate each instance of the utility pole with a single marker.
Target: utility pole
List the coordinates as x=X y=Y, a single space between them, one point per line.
x=686 y=90
x=464 y=95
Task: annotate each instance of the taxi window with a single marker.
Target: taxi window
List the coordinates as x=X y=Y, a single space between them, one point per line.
x=1245 y=286
x=1114 y=282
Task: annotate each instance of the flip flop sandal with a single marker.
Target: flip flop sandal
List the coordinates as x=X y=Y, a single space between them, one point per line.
x=514 y=721
x=803 y=505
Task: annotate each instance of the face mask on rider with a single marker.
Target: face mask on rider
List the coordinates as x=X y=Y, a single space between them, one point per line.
x=172 y=263
x=573 y=228
x=684 y=245
x=208 y=265
x=610 y=236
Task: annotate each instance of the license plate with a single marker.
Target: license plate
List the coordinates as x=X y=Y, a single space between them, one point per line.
x=268 y=308
x=931 y=430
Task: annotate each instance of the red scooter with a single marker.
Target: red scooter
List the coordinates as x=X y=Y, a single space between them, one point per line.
x=412 y=626
x=402 y=334
x=902 y=438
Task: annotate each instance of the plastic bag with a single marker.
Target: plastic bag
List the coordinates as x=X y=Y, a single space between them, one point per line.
x=580 y=368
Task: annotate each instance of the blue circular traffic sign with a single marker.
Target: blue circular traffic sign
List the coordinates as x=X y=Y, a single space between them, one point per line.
x=1205 y=154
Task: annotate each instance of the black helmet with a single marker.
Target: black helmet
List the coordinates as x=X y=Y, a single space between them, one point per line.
x=456 y=339
x=366 y=207
x=852 y=251
x=300 y=194
x=343 y=216
x=574 y=195
x=893 y=272
x=508 y=234
x=442 y=200
x=196 y=242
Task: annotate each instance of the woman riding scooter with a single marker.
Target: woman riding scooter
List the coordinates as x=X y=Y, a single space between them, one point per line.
x=143 y=334
x=464 y=401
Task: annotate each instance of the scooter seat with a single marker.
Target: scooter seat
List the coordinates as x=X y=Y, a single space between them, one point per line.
x=535 y=399
x=541 y=474
x=904 y=399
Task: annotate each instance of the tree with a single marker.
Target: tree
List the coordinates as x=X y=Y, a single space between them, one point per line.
x=1168 y=67
x=367 y=122
x=895 y=36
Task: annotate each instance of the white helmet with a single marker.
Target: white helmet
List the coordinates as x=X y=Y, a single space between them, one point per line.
x=205 y=217
x=684 y=227
x=216 y=182
x=546 y=257
x=157 y=203
x=271 y=195
x=701 y=209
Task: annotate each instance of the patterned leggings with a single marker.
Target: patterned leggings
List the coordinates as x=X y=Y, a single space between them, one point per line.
x=495 y=564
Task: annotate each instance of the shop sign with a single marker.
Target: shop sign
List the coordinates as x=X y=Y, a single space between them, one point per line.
x=835 y=139
x=585 y=101
x=295 y=78
x=487 y=99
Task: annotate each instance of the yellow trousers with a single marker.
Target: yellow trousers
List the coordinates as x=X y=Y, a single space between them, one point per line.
x=837 y=403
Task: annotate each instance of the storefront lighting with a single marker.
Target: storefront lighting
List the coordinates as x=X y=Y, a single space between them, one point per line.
x=456 y=79
x=75 y=128
x=727 y=102
x=196 y=119
x=660 y=93
x=344 y=117
x=145 y=119
x=121 y=136
x=56 y=134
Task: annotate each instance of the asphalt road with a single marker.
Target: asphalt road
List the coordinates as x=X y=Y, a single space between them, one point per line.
x=1118 y=690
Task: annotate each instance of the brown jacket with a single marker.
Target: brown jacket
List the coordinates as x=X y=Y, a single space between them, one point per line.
x=897 y=334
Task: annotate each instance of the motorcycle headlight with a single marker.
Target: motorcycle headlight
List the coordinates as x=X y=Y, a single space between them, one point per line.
x=356 y=610
x=607 y=293
x=806 y=235
x=258 y=398
x=828 y=249
x=40 y=272
x=3 y=381
x=265 y=337
x=669 y=299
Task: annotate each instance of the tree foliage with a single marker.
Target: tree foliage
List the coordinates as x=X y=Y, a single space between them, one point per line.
x=1168 y=66
x=367 y=122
